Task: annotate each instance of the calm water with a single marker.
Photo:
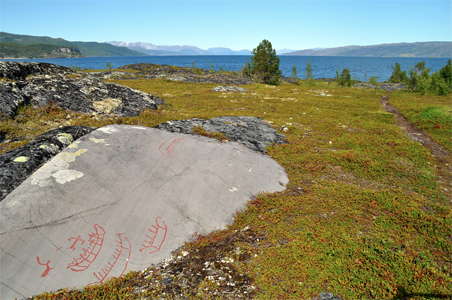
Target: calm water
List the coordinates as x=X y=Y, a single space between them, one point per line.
x=362 y=68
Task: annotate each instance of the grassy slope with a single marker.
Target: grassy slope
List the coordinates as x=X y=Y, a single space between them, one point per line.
x=362 y=216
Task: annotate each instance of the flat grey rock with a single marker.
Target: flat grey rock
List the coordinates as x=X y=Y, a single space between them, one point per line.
x=252 y=132
x=119 y=199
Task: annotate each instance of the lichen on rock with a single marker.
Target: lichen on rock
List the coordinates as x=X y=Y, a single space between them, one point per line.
x=86 y=94
x=32 y=155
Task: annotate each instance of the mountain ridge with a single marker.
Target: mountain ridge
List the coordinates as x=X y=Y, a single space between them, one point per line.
x=153 y=49
x=19 y=45
x=415 y=49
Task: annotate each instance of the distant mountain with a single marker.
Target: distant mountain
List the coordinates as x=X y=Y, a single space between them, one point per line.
x=13 y=50
x=17 y=45
x=284 y=51
x=419 y=49
x=152 y=49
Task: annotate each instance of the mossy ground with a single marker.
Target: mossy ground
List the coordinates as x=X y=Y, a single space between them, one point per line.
x=362 y=216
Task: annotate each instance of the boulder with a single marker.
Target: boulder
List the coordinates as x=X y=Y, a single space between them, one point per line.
x=249 y=131
x=20 y=70
x=18 y=164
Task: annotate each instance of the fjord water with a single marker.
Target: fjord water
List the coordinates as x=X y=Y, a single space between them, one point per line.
x=362 y=68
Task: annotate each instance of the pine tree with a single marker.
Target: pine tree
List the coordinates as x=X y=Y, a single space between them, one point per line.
x=345 y=79
x=446 y=73
x=265 y=64
x=397 y=74
x=294 y=74
x=309 y=72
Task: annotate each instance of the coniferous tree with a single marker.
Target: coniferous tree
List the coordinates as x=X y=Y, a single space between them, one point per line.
x=265 y=64
x=397 y=75
x=309 y=72
x=294 y=73
x=446 y=73
x=345 y=79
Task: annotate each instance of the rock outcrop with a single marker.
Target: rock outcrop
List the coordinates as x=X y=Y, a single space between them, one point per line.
x=20 y=70
x=10 y=99
x=182 y=74
x=249 y=131
x=86 y=95
x=18 y=164
x=386 y=86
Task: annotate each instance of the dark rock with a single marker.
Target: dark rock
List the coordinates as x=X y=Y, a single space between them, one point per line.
x=10 y=99
x=250 y=131
x=20 y=70
x=86 y=95
x=386 y=86
x=183 y=74
x=18 y=164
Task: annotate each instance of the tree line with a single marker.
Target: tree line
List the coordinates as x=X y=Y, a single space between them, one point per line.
x=264 y=68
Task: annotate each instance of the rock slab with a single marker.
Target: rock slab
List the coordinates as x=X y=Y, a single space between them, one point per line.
x=252 y=132
x=119 y=199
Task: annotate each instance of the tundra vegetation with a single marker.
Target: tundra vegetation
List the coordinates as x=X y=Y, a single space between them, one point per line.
x=363 y=216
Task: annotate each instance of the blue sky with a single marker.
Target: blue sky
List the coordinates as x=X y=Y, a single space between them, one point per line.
x=237 y=24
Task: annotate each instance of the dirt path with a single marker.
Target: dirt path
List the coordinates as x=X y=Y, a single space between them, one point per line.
x=442 y=156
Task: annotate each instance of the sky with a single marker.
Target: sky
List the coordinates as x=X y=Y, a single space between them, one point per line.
x=236 y=24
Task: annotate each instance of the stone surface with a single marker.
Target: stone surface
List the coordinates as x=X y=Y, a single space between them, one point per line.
x=18 y=164
x=181 y=74
x=20 y=70
x=86 y=95
x=249 y=131
x=10 y=99
x=119 y=199
x=386 y=86
x=228 y=89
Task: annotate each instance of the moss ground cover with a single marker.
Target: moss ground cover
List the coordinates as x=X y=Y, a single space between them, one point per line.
x=362 y=216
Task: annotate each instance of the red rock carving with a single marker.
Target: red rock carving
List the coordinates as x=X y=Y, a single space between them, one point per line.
x=156 y=237
x=47 y=265
x=75 y=240
x=90 y=253
x=170 y=148
x=123 y=250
